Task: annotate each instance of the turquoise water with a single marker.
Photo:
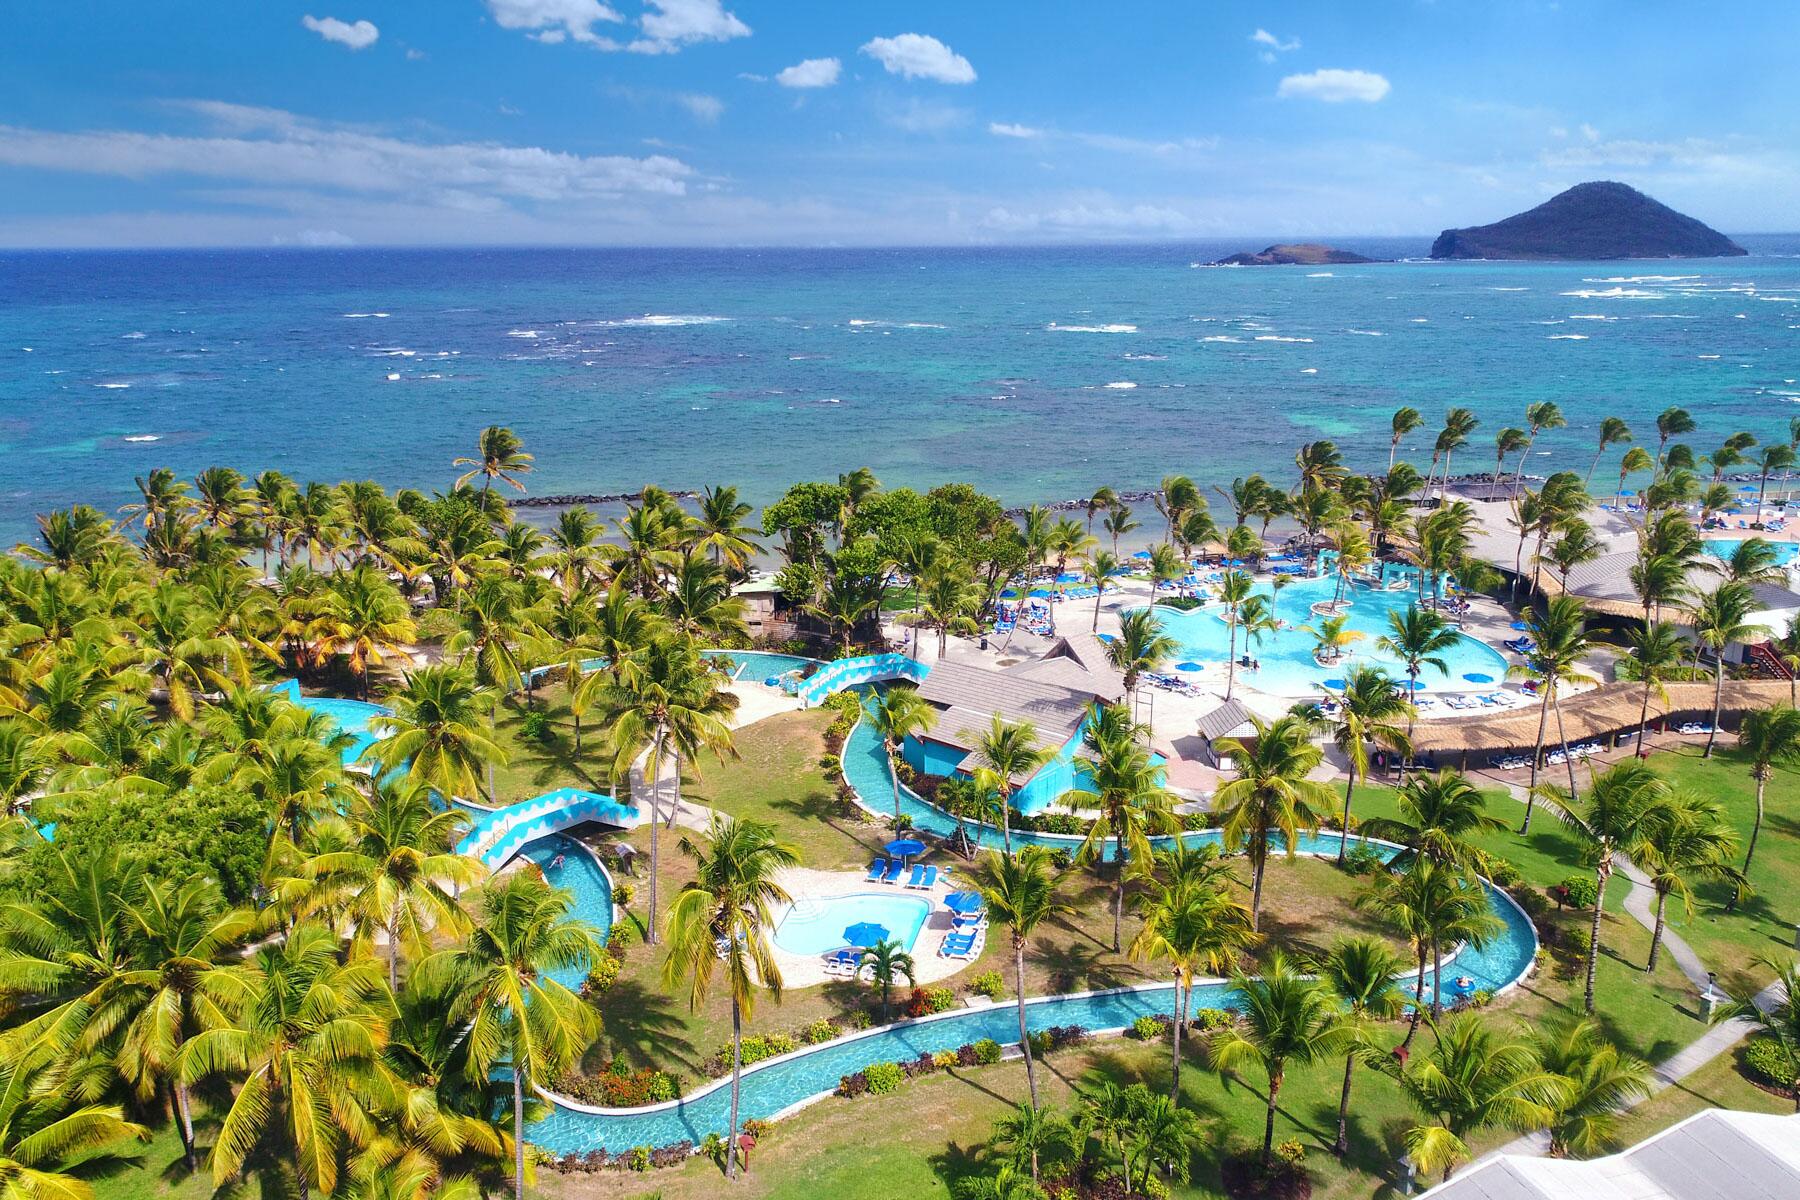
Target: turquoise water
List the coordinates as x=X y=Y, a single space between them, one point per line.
x=759 y=666
x=350 y=716
x=1286 y=655
x=759 y=367
x=815 y=926
x=773 y=1086
x=1785 y=552
x=582 y=878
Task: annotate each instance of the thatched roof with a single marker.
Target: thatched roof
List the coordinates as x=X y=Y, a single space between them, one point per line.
x=1604 y=711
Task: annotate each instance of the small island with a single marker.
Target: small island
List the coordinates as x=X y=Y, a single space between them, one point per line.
x=1600 y=220
x=1295 y=254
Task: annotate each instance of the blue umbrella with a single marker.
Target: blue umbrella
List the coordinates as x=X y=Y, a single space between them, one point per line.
x=1040 y=592
x=963 y=902
x=1520 y=626
x=865 y=933
x=1189 y=666
x=1141 y=554
x=905 y=847
x=1410 y=685
x=1336 y=685
x=1478 y=677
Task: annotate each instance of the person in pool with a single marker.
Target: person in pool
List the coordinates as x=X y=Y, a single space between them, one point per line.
x=556 y=863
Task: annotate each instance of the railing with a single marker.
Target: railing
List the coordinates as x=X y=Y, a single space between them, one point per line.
x=1762 y=655
x=834 y=677
x=499 y=835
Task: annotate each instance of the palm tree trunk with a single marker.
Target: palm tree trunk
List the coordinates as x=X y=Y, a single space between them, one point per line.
x=1006 y=819
x=1260 y=858
x=655 y=831
x=1097 y=599
x=1268 y=1153
x=1756 y=829
x=1344 y=834
x=393 y=951
x=894 y=775
x=1537 y=759
x=1593 y=963
x=1437 y=980
x=1718 y=701
x=1563 y=737
x=1662 y=898
x=1418 y=1008
x=1644 y=716
x=1118 y=886
x=1175 y=1041
x=1342 y=1145
x=184 y=1113
x=1231 y=656
x=737 y=1074
x=1024 y=1038
x=518 y=1089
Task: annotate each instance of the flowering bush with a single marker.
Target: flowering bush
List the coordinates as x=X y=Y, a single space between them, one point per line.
x=990 y=984
x=618 y=1086
x=925 y=1001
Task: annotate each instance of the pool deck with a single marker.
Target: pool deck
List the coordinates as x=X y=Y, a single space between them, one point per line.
x=808 y=970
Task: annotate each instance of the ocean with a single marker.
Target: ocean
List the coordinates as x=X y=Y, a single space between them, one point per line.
x=1036 y=373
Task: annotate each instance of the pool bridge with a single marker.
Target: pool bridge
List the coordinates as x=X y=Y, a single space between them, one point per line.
x=498 y=835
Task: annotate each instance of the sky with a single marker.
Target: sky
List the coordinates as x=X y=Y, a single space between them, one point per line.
x=859 y=122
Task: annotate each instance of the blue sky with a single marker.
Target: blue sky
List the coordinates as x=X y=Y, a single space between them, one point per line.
x=855 y=122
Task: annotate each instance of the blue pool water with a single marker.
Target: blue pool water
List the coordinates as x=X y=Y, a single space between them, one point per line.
x=756 y=666
x=777 y=1084
x=350 y=716
x=1286 y=655
x=1723 y=548
x=582 y=878
x=815 y=926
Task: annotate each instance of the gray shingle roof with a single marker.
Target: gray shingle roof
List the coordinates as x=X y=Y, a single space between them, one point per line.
x=1225 y=721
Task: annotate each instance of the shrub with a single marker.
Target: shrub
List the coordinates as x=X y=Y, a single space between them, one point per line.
x=857 y=1021
x=1214 y=1018
x=535 y=726
x=1764 y=1059
x=990 y=984
x=1363 y=860
x=831 y=764
x=901 y=823
x=820 y=1030
x=624 y=894
x=602 y=975
x=618 y=1086
x=1149 y=1029
x=638 y=1159
x=966 y=1055
x=1180 y=603
x=672 y=1155
x=987 y=1052
x=1503 y=873
x=883 y=1077
x=924 y=1001
x=1061 y=860
x=622 y=936
x=1579 y=891
x=853 y=1085
x=757 y=1129
x=943 y=1060
x=1292 y=1152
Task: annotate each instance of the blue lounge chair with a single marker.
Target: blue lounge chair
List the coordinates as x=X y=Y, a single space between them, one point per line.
x=894 y=871
x=917 y=877
x=923 y=877
x=877 y=869
x=959 y=943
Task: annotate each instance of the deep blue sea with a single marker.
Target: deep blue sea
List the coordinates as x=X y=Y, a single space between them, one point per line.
x=1036 y=373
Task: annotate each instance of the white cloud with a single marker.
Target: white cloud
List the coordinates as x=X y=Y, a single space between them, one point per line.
x=554 y=20
x=1630 y=152
x=920 y=56
x=1097 y=217
x=1006 y=130
x=358 y=35
x=925 y=116
x=671 y=24
x=810 y=73
x=1334 y=86
x=273 y=149
x=705 y=109
x=1590 y=133
x=1263 y=37
x=317 y=238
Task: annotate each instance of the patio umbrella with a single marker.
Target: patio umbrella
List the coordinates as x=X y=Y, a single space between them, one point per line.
x=1141 y=554
x=905 y=847
x=1410 y=685
x=1189 y=666
x=865 y=933
x=1520 y=626
x=1336 y=685
x=963 y=902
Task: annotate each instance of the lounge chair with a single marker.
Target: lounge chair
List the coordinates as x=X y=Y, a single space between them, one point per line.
x=958 y=944
x=916 y=878
x=895 y=869
x=877 y=870
x=923 y=877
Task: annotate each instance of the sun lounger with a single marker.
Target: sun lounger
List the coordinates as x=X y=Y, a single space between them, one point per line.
x=894 y=871
x=923 y=877
x=877 y=870
x=916 y=878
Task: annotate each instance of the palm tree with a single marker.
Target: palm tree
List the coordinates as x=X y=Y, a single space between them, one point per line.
x=1118 y=523
x=1768 y=738
x=1288 y=1019
x=1175 y=497
x=1780 y=1021
x=1104 y=499
x=886 y=961
x=721 y=529
x=1406 y=420
x=1026 y=1134
x=1368 y=708
x=897 y=714
x=1439 y=813
x=175 y=986
x=723 y=918
x=1774 y=458
x=364 y=618
x=1360 y=972
x=42 y=1139
x=951 y=598
x=1020 y=892
x=1545 y=414
x=391 y=869
x=1332 y=637
x=1657 y=650
x=1473 y=1079
x=1067 y=540
x=1432 y=905
x=515 y=1009
x=1140 y=647
x=499 y=455
x=1690 y=841
x=1234 y=590
x=1271 y=796
x=1508 y=442
x=1613 y=432
x=305 y=1037
x=434 y=731
x=667 y=705
x=1671 y=422
x=1193 y=925
x=1100 y=566
x=1601 y=1082
x=1011 y=752
x=1635 y=461
x=1126 y=786
x=1418 y=637
x=1559 y=631
x=1787 y=646
x=1722 y=620
x=485 y=632
x=23 y=766
x=1623 y=804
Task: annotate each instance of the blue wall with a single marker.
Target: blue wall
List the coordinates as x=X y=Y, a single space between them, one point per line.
x=929 y=757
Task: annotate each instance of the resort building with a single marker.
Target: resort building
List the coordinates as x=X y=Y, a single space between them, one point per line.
x=1054 y=693
x=1716 y=1154
x=1228 y=722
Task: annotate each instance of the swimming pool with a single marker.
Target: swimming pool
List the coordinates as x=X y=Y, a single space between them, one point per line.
x=1286 y=655
x=350 y=716
x=758 y=666
x=1723 y=548
x=815 y=926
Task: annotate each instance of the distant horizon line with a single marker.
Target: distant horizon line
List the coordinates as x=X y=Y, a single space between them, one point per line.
x=353 y=247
